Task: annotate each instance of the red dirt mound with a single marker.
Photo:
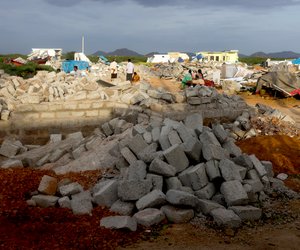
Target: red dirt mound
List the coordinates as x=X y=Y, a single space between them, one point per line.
x=23 y=227
x=281 y=150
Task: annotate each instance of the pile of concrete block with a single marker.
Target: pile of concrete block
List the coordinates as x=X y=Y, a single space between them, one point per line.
x=64 y=193
x=166 y=169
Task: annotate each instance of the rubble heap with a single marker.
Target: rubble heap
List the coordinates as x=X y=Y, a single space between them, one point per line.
x=162 y=168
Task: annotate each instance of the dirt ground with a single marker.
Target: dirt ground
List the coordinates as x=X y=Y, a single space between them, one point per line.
x=24 y=227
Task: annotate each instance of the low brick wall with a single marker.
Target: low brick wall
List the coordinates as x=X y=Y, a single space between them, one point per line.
x=94 y=113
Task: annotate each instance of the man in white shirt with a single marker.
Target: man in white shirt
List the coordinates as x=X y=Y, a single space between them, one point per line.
x=129 y=70
x=113 y=69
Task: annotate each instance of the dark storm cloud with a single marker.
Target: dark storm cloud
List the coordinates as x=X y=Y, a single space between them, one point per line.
x=253 y=4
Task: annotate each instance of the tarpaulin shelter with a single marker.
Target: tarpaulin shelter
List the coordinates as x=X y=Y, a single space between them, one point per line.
x=296 y=61
x=68 y=66
x=284 y=82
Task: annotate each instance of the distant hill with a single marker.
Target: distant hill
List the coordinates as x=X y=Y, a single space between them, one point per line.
x=151 y=54
x=118 y=52
x=242 y=56
x=283 y=54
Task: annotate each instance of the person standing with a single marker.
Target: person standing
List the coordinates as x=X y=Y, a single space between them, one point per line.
x=113 y=69
x=129 y=70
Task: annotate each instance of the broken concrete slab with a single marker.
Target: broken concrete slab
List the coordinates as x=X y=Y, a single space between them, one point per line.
x=9 y=148
x=214 y=152
x=81 y=203
x=162 y=168
x=192 y=149
x=194 y=177
x=212 y=170
x=12 y=163
x=128 y=155
x=156 y=180
x=133 y=190
x=258 y=166
x=70 y=189
x=137 y=171
x=177 y=197
x=119 y=222
x=107 y=194
x=64 y=202
x=178 y=215
x=229 y=170
x=137 y=144
x=122 y=207
x=234 y=150
x=207 y=192
x=48 y=185
x=247 y=213
x=195 y=122
x=155 y=198
x=176 y=157
x=206 y=206
x=234 y=193
x=149 y=217
x=44 y=201
x=225 y=217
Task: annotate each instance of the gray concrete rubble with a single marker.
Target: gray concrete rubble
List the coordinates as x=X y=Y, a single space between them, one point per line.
x=119 y=222
x=157 y=167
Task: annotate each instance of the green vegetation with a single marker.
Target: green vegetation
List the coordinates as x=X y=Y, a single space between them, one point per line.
x=258 y=60
x=26 y=71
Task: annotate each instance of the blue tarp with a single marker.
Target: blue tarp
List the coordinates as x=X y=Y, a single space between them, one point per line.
x=68 y=66
x=296 y=61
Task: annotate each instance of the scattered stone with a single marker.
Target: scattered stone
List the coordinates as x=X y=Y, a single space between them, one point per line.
x=65 y=202
x=177 y=197
x=133 y=190
x=282 y=176
x=44 y=201
x=48 y=185
x=149 y=217
x=81 y=203
x=154 y=199
x=247 y=213
x=224 y=217
x=107 y=194
x=178 y=215
x=70 y=189
x=162 y=168
x=177 y=158
x=234 y=193
x=194 y=177
x=122 y=208
x=119 y=222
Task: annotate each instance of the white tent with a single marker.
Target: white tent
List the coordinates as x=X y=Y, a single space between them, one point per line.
x=159 y=58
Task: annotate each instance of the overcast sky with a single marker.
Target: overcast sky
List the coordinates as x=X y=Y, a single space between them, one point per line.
x=150 y=25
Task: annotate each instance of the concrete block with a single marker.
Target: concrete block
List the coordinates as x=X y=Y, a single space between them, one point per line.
x=185 y=133
x=229 y=170
x=162 y=168
x=252 y=174
x=107 y=194
x=137 y=171
x=107 y=129
x=55 y=138
x=138 y=129
x=247 y=213
x=70 y=189
x=9 y=148
x=174 y=138
x=212 y=170
x=219 y=198
x=48 y=185
x=194 y=177
x=44 y=201
x=65 y=202
x=149 y=153
x=178 y=215
x=173 y=183
x=156 y=198
x=195 y=122
x=155 y=134
x=243 y=160
x=208 y=137
x=258 y=166
x=207 y=192
x=180 y=198
x=137 y=144
x=194 y=100
x=268 y=167
x=77 y=136
x=206 y=206
x=12 y=163
x=133 y=190
x=122 y=208
x=224 y=217
x=233 y=150
x=214 y=152
x=156 y=180
x=234 y=193
x=78 y=151
x=119 y=222
x=56 y=154
x=149 y=217
x=176 y=157
x=220 y=133
x=81 y=203
x=128 y=155
x=192 y=149
x=256 y=185
x=147 y=136
x=164 y=142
